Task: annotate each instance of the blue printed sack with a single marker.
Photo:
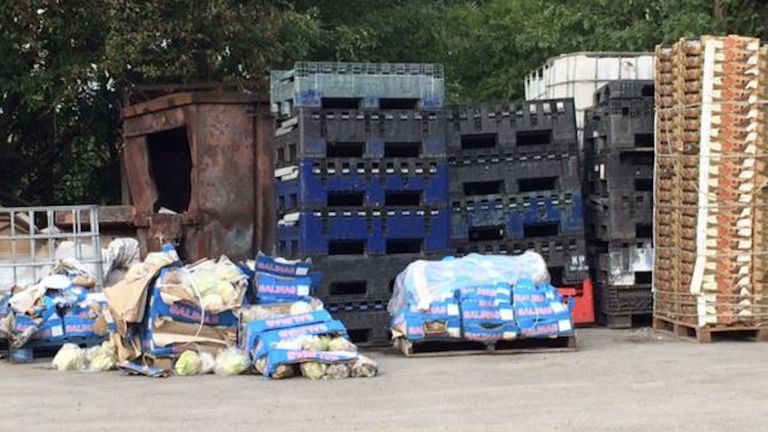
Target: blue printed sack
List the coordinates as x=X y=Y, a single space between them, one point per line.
x=277 y=357
x=258 y=344
x=540 y=311
x=276 y=289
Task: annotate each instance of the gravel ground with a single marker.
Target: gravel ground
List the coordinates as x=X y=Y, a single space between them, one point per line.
x=632 y=380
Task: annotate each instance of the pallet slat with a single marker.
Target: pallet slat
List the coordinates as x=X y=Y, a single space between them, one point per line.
x=453 y=347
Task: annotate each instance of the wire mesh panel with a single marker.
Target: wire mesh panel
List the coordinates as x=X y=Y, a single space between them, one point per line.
x=31 y=244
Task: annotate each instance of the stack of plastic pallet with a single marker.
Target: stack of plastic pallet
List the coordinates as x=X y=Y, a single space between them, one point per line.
x=515 y=183
x=618 y=191
x=361 y=180
x=710 y=213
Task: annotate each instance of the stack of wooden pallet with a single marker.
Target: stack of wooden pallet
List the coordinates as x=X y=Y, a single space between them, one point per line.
x=711 y=218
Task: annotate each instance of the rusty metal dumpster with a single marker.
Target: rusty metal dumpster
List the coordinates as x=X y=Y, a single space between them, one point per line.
x=199 y=170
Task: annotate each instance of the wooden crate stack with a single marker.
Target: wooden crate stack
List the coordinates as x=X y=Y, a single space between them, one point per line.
x=710 y=218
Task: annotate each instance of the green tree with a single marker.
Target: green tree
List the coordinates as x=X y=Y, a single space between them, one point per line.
x=65 y=64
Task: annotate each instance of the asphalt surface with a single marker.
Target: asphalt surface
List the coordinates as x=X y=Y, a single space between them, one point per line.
x=631 y=380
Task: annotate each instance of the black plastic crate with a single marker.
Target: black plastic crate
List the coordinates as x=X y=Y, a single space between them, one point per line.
x=565 y=256
x=616 y=306
x=623 y=216
x=359 y=277
x=609 y=172
x=626 y=89
x=513 y=175
x=622 y=263
x=519 y=126
x=366 y=328
x=625 y=124
x=332 y=133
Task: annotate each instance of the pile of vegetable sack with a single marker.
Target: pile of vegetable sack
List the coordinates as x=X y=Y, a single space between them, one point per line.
x=193 y=306
x=288 y=332
x=163 y=311
x=481 y=298
x=60 y=307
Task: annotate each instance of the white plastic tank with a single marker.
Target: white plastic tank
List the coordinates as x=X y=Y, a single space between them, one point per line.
x=579 y=75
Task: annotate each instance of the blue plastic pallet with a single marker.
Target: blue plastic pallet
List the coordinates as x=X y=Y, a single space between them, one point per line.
x=42 y=348
x=519 y=216
x=316 y=179
x=365 y=232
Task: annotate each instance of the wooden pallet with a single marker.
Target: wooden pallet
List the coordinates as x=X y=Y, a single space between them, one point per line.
x=452 y=347
x=709 y=334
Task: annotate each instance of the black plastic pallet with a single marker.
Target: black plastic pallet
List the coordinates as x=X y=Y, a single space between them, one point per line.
x=621 y=264
x=521 y=126
x=612 y=171
x=320 y=133
x=624 y=89
x=551 y=172
x=623 y=216
x=623 y=320
x=611 y=300
x=366 y=328
x=565 y=256
x=360 y=277
x=620 y=125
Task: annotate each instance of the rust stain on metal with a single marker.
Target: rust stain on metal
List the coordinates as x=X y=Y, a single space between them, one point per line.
x=231 y=199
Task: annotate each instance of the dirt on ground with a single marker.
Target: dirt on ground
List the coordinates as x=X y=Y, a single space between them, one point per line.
x=633 y=380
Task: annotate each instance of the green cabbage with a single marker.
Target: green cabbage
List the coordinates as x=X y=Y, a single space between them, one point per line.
x=102 y=357
x=300 y=307
x=261 y=365
x=315 y=343
x=340 y=343
x=188 y=363
x=228 y=271
x=284 y=371
x=213 y=301
x=337 y=371
x=364 y=367
x=204 y=281
x=70 y=358
x=227 y=292
x=313 y=370
x=207 y=363
x=231 y=361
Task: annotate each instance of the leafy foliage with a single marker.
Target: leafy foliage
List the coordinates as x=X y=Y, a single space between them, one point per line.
x=65 y=64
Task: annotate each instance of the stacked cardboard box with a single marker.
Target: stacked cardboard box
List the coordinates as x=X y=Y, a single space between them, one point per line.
x=710 y=177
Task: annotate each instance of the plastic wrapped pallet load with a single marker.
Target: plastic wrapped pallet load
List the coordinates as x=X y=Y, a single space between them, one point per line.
x=710 y=176
x=478 y=298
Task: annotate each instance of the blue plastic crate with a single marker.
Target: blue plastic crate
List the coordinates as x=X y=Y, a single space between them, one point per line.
x=520 y=216
x=317 y=180
x=364 y=232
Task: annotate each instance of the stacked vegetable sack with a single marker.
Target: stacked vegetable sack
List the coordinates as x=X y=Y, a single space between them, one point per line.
x=288 y=332
x=218 y=317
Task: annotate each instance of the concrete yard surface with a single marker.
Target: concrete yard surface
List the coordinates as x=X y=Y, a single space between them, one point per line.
x=619 y=380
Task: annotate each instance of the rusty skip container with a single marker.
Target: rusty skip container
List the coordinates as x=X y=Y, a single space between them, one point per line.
x=199 y=170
